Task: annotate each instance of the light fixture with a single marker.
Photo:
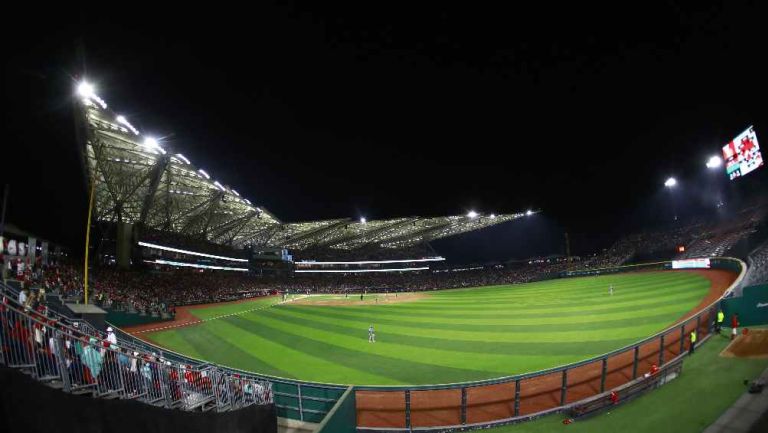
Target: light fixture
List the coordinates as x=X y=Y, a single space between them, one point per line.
x=85 y=89
x=714 y=162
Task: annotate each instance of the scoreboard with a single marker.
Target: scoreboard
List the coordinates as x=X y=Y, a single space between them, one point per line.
x=742 y=154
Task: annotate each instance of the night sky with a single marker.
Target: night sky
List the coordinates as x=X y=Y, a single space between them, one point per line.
x=325 y=113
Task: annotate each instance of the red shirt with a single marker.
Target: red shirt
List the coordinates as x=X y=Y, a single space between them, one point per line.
x=734 y=322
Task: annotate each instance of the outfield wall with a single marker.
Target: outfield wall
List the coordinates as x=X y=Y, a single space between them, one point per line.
x=517 y=398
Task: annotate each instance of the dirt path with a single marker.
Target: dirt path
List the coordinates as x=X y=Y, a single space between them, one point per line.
x=493 y=402
x=184 y=317
x=369 y=299
x=754 y=345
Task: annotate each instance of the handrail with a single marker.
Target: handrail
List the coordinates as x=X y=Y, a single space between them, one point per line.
x=47 y=350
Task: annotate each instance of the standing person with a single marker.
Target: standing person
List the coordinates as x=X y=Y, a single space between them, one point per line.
x=610 y=290
x=720 y=319
x=371 y=334
x=23 y=296
x=111 y=337
x=734 y=325
x=693 y=342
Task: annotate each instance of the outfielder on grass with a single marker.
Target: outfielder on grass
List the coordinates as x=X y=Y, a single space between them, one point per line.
x=371 y=334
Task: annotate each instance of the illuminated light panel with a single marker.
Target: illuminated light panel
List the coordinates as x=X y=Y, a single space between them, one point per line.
x=372 y=262
x=192 y=253
x=359 y=271
x=194 y=265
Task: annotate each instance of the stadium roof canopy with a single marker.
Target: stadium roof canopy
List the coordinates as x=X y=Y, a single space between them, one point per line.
x=139 y=181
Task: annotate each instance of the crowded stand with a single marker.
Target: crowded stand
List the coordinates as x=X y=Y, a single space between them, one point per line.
x=758 y=265
x=72 y=356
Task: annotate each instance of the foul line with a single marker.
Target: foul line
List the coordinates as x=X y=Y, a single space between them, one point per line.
x=181 y=325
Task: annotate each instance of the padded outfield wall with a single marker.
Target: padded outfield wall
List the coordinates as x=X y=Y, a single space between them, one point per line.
x=516 y=398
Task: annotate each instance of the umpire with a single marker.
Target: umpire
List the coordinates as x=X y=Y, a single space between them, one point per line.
x=719 y=321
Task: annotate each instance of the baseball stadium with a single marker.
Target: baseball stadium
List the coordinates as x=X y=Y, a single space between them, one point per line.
x=190 y=306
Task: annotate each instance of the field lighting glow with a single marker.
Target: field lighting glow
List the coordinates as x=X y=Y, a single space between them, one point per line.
x=714 y=162
x=472 y=214
x=363 y=220
x=529 y=212
x=669 y=183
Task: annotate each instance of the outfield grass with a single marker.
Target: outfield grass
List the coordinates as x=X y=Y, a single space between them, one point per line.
x=446 y=336
x=708 y=386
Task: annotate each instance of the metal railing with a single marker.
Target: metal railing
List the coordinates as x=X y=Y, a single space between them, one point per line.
x=53 y=352
x=514 y=398
x=300 y=400
x=458 y=405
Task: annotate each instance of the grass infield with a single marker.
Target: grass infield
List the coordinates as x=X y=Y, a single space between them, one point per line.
x=440 y=337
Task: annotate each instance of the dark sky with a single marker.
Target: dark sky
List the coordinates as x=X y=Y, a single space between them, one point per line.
x=324 y=113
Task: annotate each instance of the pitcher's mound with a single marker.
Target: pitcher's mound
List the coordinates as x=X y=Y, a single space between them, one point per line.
x=753 y=345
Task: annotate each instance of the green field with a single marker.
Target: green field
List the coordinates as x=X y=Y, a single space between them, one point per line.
x=708 y=386
x=446 y=336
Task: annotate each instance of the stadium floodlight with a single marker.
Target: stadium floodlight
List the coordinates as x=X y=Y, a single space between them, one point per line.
x=472 y=214
x=671 y=182
x=183 y=158
x=205 y=175
x=493 y=216
x=714 y=162
x=123 y=121
x=219 y=186
x=529 y=212
x=150 y=143
x=363 y=220
x=85 y=89
x=235 y=193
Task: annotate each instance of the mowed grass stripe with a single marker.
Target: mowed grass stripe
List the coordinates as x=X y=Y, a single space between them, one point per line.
x=652 y=305
x=359 y=352
x=634 y=330
x=447 y=336
x=678 y=307
x=565 y=286
x=212 y=346
x=355 y=322
x=455 y=345
x=573 y=304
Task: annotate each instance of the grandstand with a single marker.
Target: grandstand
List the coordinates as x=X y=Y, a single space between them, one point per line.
x=147 y=191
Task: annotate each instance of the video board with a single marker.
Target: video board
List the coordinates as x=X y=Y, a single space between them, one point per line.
x=742 y=154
